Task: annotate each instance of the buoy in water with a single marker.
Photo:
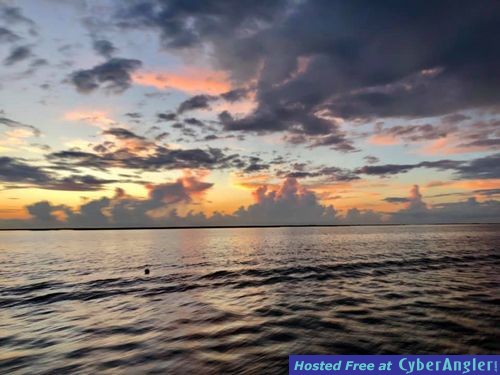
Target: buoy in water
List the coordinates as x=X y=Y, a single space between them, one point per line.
x=146 y=271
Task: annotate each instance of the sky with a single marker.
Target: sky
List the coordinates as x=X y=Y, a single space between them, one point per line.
x=186 y=113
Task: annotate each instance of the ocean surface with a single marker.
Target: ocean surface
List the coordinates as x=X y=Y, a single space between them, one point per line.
x=238 y=301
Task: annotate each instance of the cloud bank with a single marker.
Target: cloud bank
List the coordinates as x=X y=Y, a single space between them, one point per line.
x=289 y=204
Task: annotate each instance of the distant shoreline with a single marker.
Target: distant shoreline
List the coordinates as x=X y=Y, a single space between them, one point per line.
x=235 y=226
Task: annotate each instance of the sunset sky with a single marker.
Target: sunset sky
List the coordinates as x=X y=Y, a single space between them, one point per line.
x=152 y=112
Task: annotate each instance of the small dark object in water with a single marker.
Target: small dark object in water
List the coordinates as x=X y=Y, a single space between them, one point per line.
x=146 y=271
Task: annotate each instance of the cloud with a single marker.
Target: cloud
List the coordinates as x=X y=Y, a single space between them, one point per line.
x=7 y=36
x=482 y=168
x=122 y=133
x=487 y=167
x=169 y=116
x=104 y=48
x=288 y=204
x=77 y=183
x=409 y=133
x=487 y=192
x=17 y=54
x=196 y=102
x=478 y=136
x=134 y=115
x=17 y=174
x=93 y=117
x=328 y=174
x=371 y=159
x=158 y=158
x=256 y=164
x=127 y=150
x=43 y=213
x=13 y=124
x=114 y=75
x=199 y=102
x=235 y=95
x=14 y=16
x=194 y=121
x=194 y=81
x=15 y=170
x=397 y=199
x=123 y=210
x=468 y=211
x=385 y=64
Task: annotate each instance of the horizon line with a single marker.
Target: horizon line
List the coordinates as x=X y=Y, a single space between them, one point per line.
x=235 y=226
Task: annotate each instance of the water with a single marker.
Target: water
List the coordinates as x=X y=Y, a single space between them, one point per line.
x=238 y=301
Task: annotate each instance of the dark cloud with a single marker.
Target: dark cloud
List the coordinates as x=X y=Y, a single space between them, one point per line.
x=104 y=48
x=328 y=174
x=36 y=63
x=371 y=159
x=487 y=192
x=235 y=95
x=24 y=175
x=134 y=115
x=397 y=199
x=487 y=167
x=78 y=183
x=392 y=169
x=196 y=102
x=256 y=165
x=203 y=101
x=180 y=191
x=113 y=75
x=159 y=158
x=355 y=60
x=17 y=54
x=162 y=136
x=16 y=124
x=211 y=137
x=386 y=169
x=43 y=213
x=169 y=116
x=415 y=133
x=122 y=133
x=194 y=121
x=7 y=36
x=189 y=25
x=454 y=118
x=337 y=142
x=16 y=170
x=14 y=16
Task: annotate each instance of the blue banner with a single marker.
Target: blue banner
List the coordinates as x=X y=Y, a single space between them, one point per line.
x=393 y=364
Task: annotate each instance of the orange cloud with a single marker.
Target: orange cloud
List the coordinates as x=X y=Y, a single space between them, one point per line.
x=252 y=182
x=475 y=184
x=448 y=146
x=97 y=118
x=193 y=81
x=382 y=140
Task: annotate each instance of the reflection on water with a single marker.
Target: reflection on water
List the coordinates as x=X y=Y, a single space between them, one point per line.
x=223 y=301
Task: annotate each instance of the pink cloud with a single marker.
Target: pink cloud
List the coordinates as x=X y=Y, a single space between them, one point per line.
x=194 y=81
